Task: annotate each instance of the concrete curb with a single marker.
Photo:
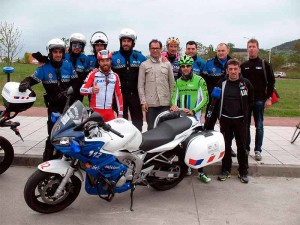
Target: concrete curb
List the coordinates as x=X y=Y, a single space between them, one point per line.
x=254 y=169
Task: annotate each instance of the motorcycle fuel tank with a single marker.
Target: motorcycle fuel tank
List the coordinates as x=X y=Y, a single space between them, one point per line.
x=204 y=148
x=132 y=136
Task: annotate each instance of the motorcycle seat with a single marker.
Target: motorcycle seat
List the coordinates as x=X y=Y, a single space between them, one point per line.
x=165 y=132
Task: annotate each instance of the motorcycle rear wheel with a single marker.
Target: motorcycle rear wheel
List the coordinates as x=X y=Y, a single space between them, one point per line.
x=168 y=183
x=6 y=154
x=40 y=188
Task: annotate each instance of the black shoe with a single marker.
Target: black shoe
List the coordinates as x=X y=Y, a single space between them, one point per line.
x=224 y=176
x=243 y=178
x=233 y=154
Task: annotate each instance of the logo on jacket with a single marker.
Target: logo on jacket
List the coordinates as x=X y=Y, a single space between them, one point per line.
x=214 y=69
x=118 y=61
x=50 y=75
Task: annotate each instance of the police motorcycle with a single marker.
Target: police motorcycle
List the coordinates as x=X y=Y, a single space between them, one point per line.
x=14 y=102
x=114 y=155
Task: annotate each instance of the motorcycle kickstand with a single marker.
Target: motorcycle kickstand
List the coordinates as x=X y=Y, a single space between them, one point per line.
x=131 y=196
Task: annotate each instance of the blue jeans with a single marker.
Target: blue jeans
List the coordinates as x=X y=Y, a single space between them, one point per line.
x=258 y=114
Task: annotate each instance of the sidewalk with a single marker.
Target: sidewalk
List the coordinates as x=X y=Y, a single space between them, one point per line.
x=280 y=157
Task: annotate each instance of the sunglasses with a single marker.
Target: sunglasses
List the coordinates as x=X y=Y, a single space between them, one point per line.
x=186 y=66
x=77 y=45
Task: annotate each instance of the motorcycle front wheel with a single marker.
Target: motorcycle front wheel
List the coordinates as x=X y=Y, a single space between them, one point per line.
x=40 y=188
x=163 y=184
x=6 y=154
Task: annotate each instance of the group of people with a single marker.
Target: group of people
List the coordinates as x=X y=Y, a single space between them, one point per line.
x=126 y=82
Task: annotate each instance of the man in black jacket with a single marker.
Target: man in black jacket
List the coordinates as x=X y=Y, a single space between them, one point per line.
x=260 y=74
x=234 y=105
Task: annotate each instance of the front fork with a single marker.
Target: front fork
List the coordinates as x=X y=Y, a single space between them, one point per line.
x=69 y=174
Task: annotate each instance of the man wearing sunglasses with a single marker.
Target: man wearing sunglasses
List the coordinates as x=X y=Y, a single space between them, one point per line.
x=79 y=60
x=103 y=85
x=155 y=84
x=172 y=45
x=190 y=94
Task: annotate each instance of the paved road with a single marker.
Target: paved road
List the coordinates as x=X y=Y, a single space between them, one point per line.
x=264 y=200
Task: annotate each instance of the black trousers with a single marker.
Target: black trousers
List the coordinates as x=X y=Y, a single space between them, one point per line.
x=131 y=102
x=152 y=113
x=238 y=128
x=214 y=116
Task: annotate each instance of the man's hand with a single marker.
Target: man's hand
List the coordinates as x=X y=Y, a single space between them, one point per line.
x=95 y=89
x=268 y=103
x=23 y=86
x=145 y=107
x=187 y=111
x=164 y=59
x=174 y=108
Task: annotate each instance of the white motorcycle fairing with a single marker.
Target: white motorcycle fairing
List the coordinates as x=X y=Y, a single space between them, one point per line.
x=204 y=148
x=58 y=166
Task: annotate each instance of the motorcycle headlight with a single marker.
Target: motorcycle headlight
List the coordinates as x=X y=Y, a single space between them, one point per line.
x=63 y=141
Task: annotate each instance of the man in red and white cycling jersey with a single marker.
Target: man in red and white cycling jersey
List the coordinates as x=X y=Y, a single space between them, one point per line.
x=103 y=85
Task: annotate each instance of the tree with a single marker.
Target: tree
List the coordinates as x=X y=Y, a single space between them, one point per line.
x=10 y=41
x=231 y=47
x=277 y=61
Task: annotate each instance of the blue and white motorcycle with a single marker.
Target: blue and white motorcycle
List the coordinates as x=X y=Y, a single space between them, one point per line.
x=114 y=155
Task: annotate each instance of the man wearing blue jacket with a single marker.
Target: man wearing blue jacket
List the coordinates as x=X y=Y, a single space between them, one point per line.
x=126 y=63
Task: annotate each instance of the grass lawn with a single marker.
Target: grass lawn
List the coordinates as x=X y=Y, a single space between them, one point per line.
x=288 y=89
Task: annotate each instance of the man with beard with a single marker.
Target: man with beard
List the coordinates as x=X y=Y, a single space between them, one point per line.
x=126 y=63
x=57 y=76
x=79 y=60
x=103 y=84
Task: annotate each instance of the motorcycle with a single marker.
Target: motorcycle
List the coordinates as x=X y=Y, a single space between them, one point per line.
x=114 y=162
x=14 y=102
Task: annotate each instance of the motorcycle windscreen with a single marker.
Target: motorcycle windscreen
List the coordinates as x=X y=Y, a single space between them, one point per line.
x=204 y=148
x=76 y=114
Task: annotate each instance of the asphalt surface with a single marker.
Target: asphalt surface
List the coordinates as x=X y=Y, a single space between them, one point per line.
x=264 y=200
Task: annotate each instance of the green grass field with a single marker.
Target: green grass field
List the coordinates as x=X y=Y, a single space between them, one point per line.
x=288 y=89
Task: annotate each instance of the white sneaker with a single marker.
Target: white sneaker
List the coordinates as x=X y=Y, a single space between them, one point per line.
x=258 y=156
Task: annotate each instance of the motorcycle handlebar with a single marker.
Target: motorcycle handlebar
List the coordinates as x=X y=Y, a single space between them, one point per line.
x=107 y=127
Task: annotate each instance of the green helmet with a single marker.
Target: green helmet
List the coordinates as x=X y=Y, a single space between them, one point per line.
x=186 y=60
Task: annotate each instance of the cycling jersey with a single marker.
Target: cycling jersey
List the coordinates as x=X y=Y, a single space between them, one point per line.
x=109 y=86
x=191 y=94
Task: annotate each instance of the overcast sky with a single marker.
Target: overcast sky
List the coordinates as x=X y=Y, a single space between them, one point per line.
x=209 y=22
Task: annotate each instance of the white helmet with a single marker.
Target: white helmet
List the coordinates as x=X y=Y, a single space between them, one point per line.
x=55 y=43
x=77 y=37
x=99 y=38
x=128 y=33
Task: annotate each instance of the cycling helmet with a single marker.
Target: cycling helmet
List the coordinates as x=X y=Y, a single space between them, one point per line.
x=128 y=33
x=99 y=37
x=55 y=43
x=185 y=60
x=173 y=40
x=104 y=54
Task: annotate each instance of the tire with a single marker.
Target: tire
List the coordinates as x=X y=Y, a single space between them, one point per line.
x=40 y=188
x=6 y=154
x=168 y=183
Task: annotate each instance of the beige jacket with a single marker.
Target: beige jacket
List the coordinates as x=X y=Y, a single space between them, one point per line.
x=156 y=83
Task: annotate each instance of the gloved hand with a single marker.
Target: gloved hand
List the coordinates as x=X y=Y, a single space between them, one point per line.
x=39 y=57
x=23 y=86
